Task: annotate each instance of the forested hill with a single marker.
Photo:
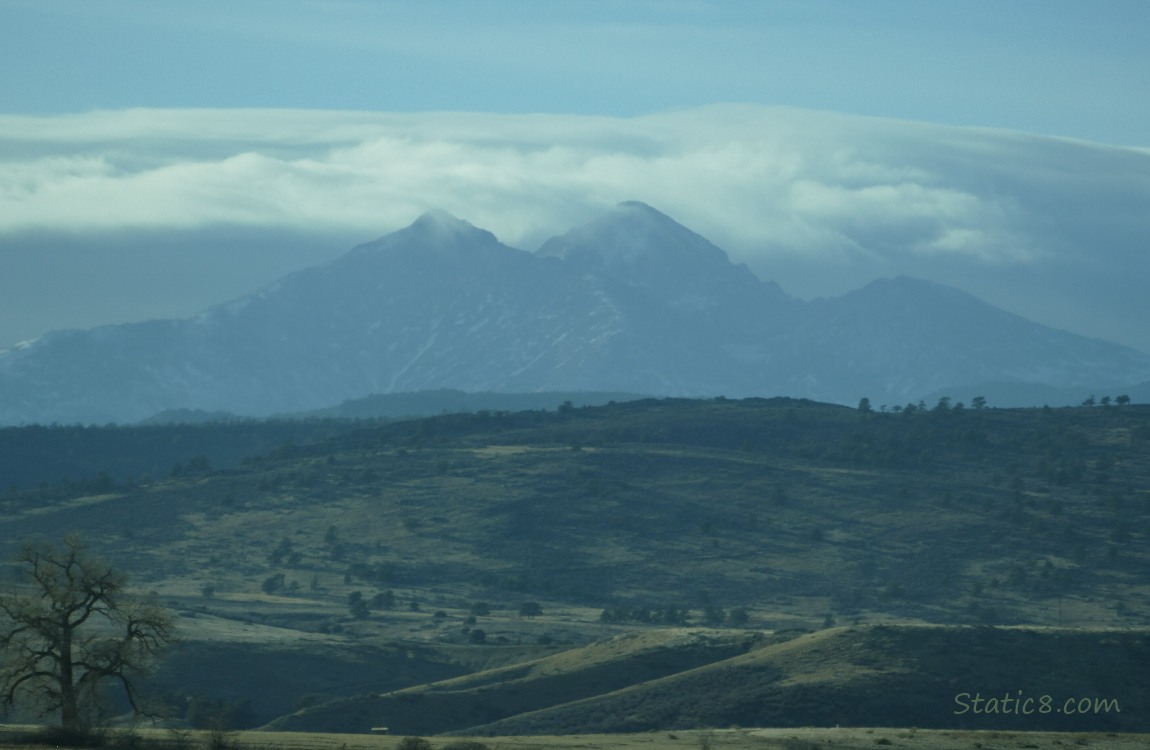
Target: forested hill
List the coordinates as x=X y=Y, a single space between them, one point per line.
x=945 y=513
x=101 y=456
x=330 y=542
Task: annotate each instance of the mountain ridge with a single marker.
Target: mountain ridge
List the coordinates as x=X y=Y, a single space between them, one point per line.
x=632 y=301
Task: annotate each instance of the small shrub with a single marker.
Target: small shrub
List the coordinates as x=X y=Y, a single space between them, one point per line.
x=413 y=743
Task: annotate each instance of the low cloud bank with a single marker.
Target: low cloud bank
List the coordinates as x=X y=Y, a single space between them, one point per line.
x=818 y=201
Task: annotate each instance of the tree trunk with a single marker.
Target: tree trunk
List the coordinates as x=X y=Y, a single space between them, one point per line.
x=69 y=710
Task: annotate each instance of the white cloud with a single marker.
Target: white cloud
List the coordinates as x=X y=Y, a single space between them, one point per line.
x=771 y=181
x=778 y=188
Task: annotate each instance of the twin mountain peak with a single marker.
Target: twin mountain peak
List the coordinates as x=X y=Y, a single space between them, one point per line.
x=632 y=302
x=630 y=240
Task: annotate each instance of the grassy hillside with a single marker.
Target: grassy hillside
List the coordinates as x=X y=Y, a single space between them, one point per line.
x=926 y=676
x=793 y=511
x=427 y=537
x=908 y=675
x=483 y=697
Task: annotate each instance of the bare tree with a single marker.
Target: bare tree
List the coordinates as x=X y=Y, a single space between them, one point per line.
x=69 y=628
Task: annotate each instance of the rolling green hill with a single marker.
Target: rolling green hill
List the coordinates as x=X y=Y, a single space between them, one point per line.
x=487 y=696
x=761 y=514
x=904 y=675
x=898 y=675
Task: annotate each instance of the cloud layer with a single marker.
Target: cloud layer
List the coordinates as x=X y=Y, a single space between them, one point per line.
x=819 y=200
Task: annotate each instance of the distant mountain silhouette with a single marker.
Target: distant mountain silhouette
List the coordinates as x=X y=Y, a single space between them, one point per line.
x=631 y=302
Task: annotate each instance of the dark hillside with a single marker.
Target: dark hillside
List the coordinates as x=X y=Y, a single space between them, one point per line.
x=74 y=459
x=886 y=676
x=487 y=696
x=769 y=514
x=779 y=506
x=77 y=458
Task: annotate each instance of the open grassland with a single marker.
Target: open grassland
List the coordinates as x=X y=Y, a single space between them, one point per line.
x=801 y=738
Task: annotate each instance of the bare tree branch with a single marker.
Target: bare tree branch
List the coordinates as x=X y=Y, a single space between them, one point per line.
x=48 y=651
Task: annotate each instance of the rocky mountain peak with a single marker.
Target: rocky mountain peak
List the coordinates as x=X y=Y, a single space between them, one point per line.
x=436 y=231
x=438 y=223
x=632 y=301
x=638 y=247
x=632 y=235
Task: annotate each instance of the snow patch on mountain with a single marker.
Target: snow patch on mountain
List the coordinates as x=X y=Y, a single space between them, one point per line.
x=632 y=301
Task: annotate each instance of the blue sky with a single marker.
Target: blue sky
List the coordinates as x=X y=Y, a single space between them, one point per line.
x=1055 y=67
x=157 y=157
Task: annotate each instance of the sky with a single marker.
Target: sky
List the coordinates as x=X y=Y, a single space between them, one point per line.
x=158 y=157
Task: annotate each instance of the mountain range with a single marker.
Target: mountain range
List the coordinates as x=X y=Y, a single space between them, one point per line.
x=632 y=301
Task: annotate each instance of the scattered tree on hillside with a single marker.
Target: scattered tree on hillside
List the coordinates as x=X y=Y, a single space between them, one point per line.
x=68 y=627
x=283 y=550
x=713 y=615
x=414 y=743
x=530 y=609
x=357 y=606
x=738 y=617
x=273 y=584
x=643 y=613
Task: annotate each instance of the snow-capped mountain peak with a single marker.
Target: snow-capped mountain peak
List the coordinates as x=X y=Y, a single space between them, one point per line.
x=438 y=224
x=632 y=235
x=434 y=231
x=631 y=302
